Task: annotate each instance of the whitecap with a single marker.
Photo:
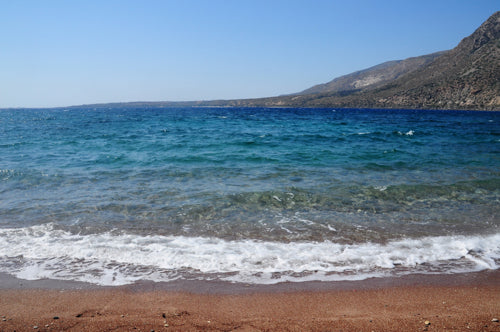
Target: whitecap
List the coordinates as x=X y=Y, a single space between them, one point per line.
x=119 y=258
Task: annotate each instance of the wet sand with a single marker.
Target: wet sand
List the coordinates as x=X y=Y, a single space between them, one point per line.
x=467 y=302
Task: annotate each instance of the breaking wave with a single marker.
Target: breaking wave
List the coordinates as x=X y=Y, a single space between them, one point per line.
x=117 y=258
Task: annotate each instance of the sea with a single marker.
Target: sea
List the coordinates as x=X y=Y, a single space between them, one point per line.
x=119 y=195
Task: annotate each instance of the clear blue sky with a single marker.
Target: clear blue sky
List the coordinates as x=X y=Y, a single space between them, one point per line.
x=71 y=52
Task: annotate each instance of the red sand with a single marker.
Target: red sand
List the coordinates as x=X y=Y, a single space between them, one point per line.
x=429 y=306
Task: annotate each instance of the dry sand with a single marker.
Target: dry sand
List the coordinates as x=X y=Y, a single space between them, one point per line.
x=419 y=303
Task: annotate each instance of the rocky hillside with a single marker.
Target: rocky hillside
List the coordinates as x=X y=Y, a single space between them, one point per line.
x=466 y=77
x=372 y=77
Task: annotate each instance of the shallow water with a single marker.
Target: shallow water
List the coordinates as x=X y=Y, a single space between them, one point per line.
x=259 y=195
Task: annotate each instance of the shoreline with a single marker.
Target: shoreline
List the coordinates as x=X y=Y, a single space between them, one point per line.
x=483 y=278
x=460 y=302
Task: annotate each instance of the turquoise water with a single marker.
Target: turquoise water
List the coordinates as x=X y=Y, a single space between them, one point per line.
x=271 y=178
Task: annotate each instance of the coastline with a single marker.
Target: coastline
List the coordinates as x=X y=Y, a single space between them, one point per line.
x=460 y=302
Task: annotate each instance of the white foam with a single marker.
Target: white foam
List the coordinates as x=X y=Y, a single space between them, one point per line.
x=115 y=259
x=381 y=188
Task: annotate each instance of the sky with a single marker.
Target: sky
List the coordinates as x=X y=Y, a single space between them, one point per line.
x=62 y=53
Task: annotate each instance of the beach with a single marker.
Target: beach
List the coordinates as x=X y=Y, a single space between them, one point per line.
x=460 y=302
x=249 y=219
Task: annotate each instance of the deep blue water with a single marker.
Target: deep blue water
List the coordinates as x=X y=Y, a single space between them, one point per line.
x=245 y=175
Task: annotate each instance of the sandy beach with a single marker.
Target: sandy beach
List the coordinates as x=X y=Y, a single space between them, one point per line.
x=468 y=302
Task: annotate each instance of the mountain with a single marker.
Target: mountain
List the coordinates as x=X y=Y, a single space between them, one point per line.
x=372 y=77
x=466 y=77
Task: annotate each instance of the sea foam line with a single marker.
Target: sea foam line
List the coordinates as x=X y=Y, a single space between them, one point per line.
x=111 y=259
